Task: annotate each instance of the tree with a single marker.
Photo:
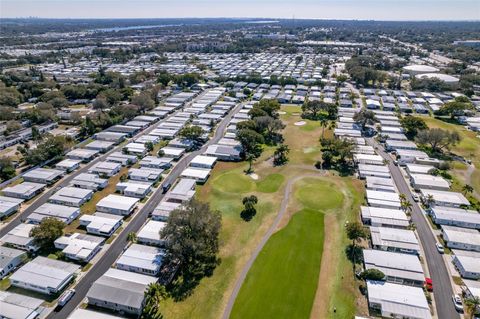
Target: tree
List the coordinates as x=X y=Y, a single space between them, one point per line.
x=315 y=109
x=47 y=232
x=144 y=101
x=7 y=170
x=251 y=145
x=365 y=117
x=372 y=274
x=164 y=78
x=269 y=106
x=438 y=139
x=13 y=126
x=192 y=132
x=280 y=156
x=467 y=189
x=154 y=295
x=324 y=122
x=472 y=305
x=269 y=127
x=100 y=103
x=51 y=147
x=249 y=209
x=149 y=146
x=132 y=237
x=355 y=232
x=412 y=125
x=192 y=240
x=36 y=135
x=405 y=203
x=456 y=107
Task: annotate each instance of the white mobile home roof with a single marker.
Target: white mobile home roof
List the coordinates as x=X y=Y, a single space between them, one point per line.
x=64 y=213
x=400 y=300
x=43 y=175
x=16 y=306
x=445 y=197
x=80 y=313
x=429 y=181
x=117 y=202
x=150 y=232
x=19 y=236
x=45 y=272
x=202 y=160
x=385 y=216
x=23 y=190
x=141 y=256
x=419 y=169
x=121 y=287
x=456 y=217
x=379 y=198
x=400 y=239
x=394 y=264
x=468 y=236
x=469 y=261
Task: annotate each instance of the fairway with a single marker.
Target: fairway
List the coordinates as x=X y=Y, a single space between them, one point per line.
x=283 y=280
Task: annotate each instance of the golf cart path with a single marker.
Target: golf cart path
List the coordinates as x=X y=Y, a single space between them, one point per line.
x=271 y=230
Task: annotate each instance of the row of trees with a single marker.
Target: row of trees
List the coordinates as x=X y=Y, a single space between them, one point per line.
x=263 y=128
x=50 y=148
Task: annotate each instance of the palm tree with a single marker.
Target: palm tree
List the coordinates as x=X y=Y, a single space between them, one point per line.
x=472 y=305
x=467 y=189
x=323 y=123
x=132 y=237
x=355 y=232
x=430 y=200
x=154 y=294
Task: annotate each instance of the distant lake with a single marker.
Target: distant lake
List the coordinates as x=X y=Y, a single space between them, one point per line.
x=135 y=27
x=262 y=21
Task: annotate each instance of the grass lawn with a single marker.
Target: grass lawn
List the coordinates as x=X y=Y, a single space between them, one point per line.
x=224 y=191
x=283 y=280
x=469 y=147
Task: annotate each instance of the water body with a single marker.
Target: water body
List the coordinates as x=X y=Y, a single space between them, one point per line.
x=135 y=27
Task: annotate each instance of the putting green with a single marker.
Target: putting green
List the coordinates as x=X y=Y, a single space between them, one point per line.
x=318 y=194
x=232 y=182
x=271 y=183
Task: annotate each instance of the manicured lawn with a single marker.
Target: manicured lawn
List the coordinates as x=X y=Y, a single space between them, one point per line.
x=271 y=183
x=233 y=182
x=318 y=194
x=469 y=147
x=283 y=280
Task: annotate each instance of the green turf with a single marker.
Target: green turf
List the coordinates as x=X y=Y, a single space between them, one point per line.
x=232 y=182
x=283 y=279
x=318 y=194
x=271 y=183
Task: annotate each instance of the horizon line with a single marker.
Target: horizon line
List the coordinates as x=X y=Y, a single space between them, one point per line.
x=232 y=18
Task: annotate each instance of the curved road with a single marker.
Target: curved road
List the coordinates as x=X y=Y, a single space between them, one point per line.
x=283 y=209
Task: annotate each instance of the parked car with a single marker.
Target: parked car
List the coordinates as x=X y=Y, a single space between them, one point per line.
x=65 y=297
x=440 y=248
x=428 y=284
x=416 y=197
x=457 y=302
x=166 y=187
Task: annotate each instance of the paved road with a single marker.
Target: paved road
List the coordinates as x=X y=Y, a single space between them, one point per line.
x=442 y=287
x=265 y=238
x=114 y=251
x=42 y=199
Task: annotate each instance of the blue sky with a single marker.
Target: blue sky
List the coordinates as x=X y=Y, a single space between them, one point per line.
x=317 y=9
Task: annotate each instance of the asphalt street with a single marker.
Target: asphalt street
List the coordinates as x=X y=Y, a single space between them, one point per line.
x=442 y=288
x=114 y=251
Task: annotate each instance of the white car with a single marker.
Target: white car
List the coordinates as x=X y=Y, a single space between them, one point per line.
x=65 y=297
x=457 y=302
x=415 y=197
x=440 y=248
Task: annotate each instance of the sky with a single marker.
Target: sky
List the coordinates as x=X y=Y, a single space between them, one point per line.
x=316 y=9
